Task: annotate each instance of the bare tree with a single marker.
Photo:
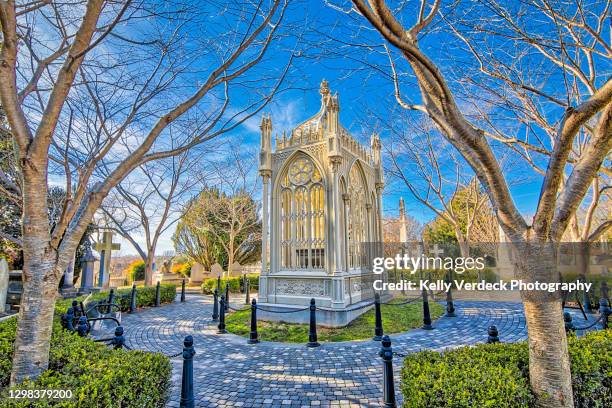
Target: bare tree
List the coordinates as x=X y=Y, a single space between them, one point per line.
x=558 y=33
x=122 y=82
x=433 y=174
x=227 y=213
x=149 y=201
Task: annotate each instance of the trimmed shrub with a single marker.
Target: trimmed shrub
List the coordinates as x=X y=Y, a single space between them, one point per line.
x=97 y=375
x=136 y=271
x=145 y=296
x=497 y=375
x=236 y=284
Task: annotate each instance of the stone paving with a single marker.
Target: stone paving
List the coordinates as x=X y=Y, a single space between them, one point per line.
x=231 y=373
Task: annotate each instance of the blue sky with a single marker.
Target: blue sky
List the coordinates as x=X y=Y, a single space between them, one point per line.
x=336 y=47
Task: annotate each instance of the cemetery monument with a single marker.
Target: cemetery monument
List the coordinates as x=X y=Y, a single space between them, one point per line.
x=322 y=199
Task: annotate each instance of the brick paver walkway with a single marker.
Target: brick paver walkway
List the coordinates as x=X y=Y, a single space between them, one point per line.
x=230 y=373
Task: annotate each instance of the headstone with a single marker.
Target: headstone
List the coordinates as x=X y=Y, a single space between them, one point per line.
x=105 y=248
x=15 y=289
x=4 y=281
x=236 y=269
x=216 y=270
x=87 y=270
x=197 y=274
x=69 y=274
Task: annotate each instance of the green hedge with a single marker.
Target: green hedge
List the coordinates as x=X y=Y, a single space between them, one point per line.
x=236 y=284
x=145 y=296
x=497 y=375
x=97 y=375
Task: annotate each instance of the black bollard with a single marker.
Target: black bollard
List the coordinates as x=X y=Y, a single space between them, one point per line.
x=75 y=308
x=378 y=326
x=83 y=328
x=227 y=296
x=312 y=331
x=183 y=290
x=82 y=309
x=604 y=291
x=450 y=305
x=187 y=400
x=493 y=335
x=426 y=314
x=221 y=325
x=157 y=299
x=133 y=299
x=386 y=352
x=569 y=325
x=111 y=299
x=586 y=301
x=215 y=315
x=119 y=341
x=605 y=311
x=247 y=290
x=69 y=319
x=253 y=334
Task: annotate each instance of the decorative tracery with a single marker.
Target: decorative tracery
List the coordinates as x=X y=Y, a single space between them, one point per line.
x=357 y=217
x=302 y=216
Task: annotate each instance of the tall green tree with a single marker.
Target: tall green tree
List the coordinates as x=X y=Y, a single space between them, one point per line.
x=220 y=228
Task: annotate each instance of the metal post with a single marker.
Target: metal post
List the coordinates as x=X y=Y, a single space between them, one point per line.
x=82 y=328
x=402 y=281
x=75 y=308
x=111 y=299
x=157 y=298
x=69 y=319
x=247 y=290
x=221 y=326
x=312 y=332
x=227 y=296
x=187 y=400
x=215 y=315
x=119 y=341
x=604 y=291
x=450 y=305
x=586 y=301
x=426 y=315
x=253 y=338
x=82 y=309
x=493 y=335
x=386 y=352
x=219 y=283
x=133 y=299
x=378 y=326
x=183 y=290
x=569 y=325
x=605 y=311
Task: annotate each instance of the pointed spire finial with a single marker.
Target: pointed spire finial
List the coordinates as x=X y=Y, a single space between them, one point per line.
x=324 y=89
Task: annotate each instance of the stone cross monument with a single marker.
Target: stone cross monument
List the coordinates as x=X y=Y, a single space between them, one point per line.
x=105 y=248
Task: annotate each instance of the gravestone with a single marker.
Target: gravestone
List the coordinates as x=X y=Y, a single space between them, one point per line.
x=15 y=289
x=197 y=274
x=4 y=281
x=106 y=248
x=216 y=270
x=236 y=269
x=88 y=268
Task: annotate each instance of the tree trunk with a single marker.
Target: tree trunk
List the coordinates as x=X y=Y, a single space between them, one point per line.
x=549 y=363
x=149 y=269
x=33 y=337
x=464 y=245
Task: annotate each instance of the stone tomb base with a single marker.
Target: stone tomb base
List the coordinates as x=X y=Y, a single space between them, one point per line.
x=326 y=317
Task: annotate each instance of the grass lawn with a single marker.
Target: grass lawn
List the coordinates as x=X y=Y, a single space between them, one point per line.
x=396 y=319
